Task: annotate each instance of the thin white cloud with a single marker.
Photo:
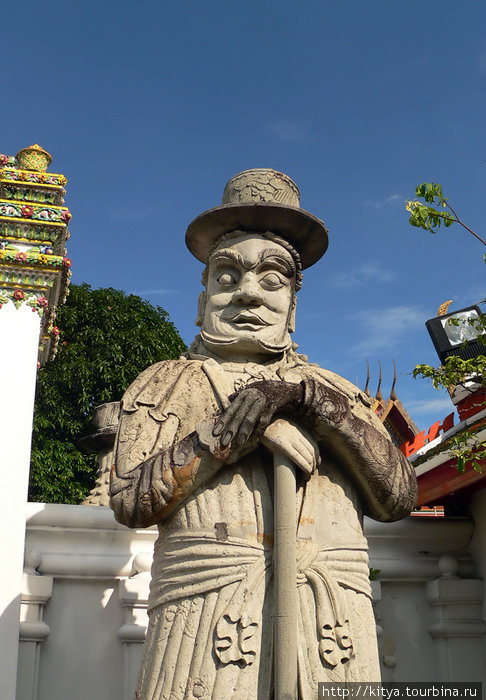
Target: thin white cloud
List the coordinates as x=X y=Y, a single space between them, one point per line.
x=393 y=200
x=288 y=131
x=473 y=295
x=373 y=204
x=369 y=273
x=421 y=61
x=462 y=296
x=440 y=405
x=161 y=290
x=385 y=328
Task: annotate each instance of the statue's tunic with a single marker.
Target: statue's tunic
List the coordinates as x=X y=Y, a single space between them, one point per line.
x=210 y=609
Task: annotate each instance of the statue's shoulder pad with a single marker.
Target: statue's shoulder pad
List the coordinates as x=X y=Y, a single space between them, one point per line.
x=158 y=379
x=336 y=382
x=362 y=402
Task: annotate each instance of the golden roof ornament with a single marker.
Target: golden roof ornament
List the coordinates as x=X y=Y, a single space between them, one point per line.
x=34 y=158
x=442 y=310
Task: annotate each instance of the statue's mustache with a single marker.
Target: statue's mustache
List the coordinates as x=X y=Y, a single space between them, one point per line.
x=248 y=316
x=274 y=348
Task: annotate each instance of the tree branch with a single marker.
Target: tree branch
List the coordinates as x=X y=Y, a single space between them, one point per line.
x=458 y=220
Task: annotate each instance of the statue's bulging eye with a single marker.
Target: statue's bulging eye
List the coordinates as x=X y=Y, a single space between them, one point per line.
x=226 y=279
x=272 y=281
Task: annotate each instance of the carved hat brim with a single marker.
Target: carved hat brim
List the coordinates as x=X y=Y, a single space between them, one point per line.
x=303 y=230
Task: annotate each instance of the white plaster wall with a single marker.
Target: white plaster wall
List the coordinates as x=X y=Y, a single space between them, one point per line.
x=407 y=651
x=84 y=617
x=478 y=543
x=19 y=339
x=96 y=612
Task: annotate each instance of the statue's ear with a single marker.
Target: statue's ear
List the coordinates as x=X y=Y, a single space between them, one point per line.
x=201 y=308
x=291 y=322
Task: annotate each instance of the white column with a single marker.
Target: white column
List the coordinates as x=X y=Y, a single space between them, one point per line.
x=477 y=507
x=458 y=628
x=36 y=593
x=19 y=341
x=133 y=593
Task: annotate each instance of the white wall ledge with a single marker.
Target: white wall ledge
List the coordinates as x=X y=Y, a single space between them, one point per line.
x=98 y=572
x=87 y=542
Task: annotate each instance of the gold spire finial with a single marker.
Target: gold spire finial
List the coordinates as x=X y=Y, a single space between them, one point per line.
x=442 y=310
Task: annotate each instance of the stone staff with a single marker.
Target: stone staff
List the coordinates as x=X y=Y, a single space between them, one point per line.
x=285 y=574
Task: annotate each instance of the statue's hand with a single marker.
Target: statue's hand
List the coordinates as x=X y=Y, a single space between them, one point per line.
x=252 y=410
x=294 y=442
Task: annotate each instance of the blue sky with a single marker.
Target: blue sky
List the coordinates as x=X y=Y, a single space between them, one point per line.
x=149 y=108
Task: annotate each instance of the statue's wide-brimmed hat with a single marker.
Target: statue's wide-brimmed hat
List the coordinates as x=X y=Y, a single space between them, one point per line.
x=260 y=200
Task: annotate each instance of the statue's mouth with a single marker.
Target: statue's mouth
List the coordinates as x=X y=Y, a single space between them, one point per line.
x=245 y=317
x=248 y=318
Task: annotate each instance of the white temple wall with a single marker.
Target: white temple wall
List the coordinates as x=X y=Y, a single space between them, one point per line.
x=19 y=340
x=477 y=508
x=85 y=594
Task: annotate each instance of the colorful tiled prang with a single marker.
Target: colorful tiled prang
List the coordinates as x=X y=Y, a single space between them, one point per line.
x=34 y=267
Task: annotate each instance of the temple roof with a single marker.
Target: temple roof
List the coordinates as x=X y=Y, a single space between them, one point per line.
x=391 y=411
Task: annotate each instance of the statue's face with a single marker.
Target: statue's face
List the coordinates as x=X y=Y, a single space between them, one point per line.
x=248 y=298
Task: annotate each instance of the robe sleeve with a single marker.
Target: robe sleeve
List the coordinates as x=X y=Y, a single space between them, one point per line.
x=158 y=460
x=337 y=414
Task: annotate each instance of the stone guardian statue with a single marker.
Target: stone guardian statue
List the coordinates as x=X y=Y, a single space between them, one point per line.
x=194 y=454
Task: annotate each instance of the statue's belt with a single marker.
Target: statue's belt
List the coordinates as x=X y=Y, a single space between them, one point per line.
x=195 y=564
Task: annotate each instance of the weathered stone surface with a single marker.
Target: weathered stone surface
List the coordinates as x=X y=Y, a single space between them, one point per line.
x=195 y=453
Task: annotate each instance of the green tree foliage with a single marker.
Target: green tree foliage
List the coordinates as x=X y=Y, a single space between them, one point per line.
x=107 y=338
x=425 y=216
x=454 y=371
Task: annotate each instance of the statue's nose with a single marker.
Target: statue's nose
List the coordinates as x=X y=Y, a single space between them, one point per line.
x=248 y=291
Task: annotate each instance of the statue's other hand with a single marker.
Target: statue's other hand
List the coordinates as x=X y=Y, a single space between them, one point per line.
x=252 y=410
x=295 y=443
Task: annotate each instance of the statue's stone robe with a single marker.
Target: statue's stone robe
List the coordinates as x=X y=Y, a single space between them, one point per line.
x=210 y=608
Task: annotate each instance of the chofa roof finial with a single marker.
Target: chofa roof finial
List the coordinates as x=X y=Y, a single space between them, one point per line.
x=379 y=395
x=367 y=387
x=393 y=393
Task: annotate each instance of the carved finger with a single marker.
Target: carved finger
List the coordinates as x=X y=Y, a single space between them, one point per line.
x=307 y=455
x=288 y=449
x=301 y=462
x=245 y=417
x=264 y=421
x=301 y=457
x=249 y=420
x=228 y=415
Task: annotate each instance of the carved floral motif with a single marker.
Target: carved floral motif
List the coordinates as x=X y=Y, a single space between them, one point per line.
x=36 y=212
x=32 y=176
x=38 y=303
x=32 y=257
